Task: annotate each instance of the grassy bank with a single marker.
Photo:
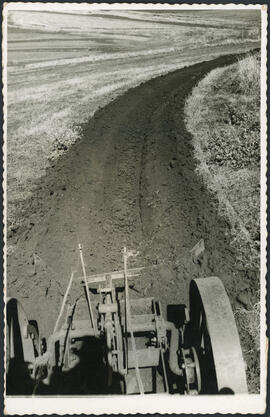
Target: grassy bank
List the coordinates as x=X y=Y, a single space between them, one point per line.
x=223 y=115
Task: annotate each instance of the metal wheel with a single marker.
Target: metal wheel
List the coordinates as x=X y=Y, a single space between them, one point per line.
x=215 y=338
x=20 y=350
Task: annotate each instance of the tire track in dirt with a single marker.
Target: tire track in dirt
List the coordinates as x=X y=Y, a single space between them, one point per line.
x=130 y=180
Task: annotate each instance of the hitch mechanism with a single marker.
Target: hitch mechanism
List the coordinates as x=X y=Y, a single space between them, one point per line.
x=118 y=344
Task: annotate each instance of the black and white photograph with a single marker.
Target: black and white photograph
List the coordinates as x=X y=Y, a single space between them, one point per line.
x=134 y=208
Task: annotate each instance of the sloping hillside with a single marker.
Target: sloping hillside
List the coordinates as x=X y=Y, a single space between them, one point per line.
x=62 y=67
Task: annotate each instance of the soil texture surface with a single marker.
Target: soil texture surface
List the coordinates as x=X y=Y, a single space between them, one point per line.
x=130 y=180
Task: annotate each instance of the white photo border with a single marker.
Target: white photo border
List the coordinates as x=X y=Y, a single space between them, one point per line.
x=161 y=403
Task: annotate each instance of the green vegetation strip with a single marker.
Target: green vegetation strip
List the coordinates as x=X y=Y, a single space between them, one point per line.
x=223 y=115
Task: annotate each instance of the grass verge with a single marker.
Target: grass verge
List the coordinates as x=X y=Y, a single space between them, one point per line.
x=223 y=115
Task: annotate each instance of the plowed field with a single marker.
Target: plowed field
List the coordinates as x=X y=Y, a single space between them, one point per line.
x=131 y=181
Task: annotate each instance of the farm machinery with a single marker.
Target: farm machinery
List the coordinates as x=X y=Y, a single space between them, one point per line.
x=109 y=343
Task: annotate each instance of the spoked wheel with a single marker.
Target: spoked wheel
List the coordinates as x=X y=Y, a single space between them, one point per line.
x=215 y=338
x=21 y=338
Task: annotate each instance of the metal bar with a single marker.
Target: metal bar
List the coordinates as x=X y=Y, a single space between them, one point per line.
x=143 y=318
x=147 y=357
x=126 y=283
x=138 y=328
x=134 y=272
x=164 y=370
x=63 y=303
x=70 y=314
x=137 y=371
x=79 y=333
x=166 y=385
x=87 y=290
x=139 y=380
x=126 y=309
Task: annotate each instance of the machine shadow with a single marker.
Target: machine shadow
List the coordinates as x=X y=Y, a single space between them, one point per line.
x=90 y=374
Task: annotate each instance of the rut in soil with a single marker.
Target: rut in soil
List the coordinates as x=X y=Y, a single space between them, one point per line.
x=130 y=181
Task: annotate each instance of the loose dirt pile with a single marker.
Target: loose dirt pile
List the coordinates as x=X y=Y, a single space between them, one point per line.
x=130 y=181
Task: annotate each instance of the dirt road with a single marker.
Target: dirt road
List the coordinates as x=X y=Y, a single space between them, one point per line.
x=130 y=181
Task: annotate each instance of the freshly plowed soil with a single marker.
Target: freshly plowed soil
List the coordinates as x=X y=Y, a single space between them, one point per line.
x=131 y=181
